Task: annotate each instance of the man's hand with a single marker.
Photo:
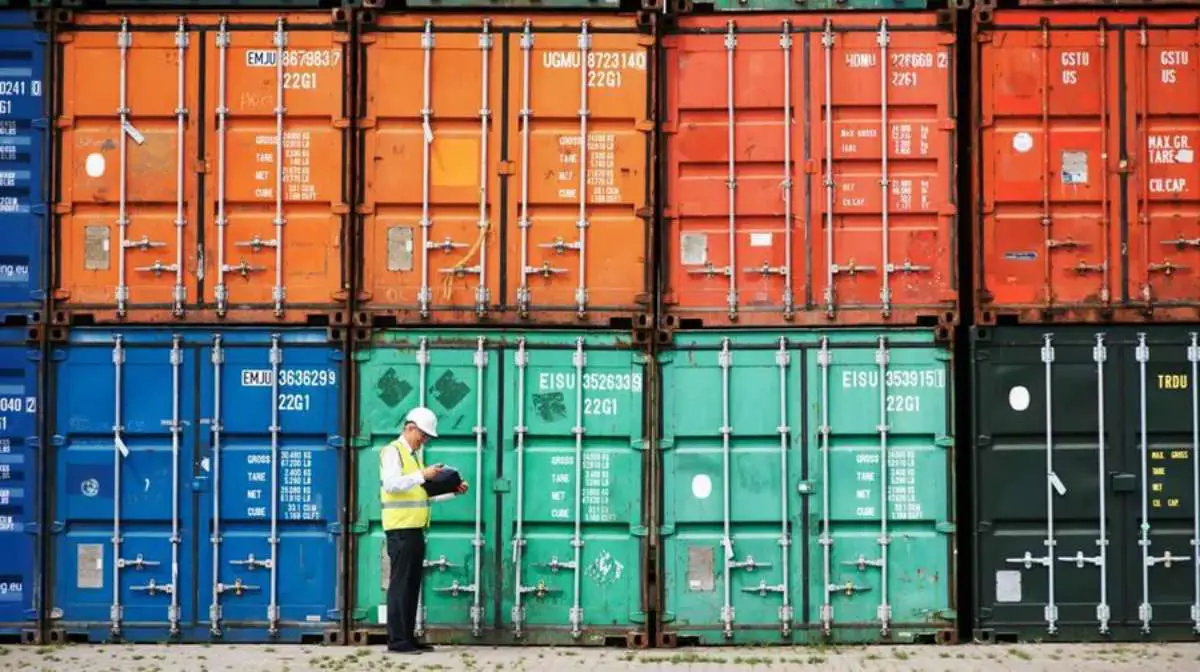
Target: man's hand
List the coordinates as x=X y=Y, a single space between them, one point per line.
x=462 y=488
x=431 y=473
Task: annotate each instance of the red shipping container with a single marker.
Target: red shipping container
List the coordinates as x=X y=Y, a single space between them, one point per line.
x=810 y=170
x=1087 y=179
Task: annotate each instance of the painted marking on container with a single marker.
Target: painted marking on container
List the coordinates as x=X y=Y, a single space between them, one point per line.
x=760 y=240
x=1074 y=167
x=1022 y=142
x=606 y=69
x=1008 y=585
x=1164 y=185
x=297 y=166
x=605 y=570
x=896 y=377
x=701 y=486
x=601 y=169
x=1172 y=381
x=1170 y=59
x=1170 y=149
x=601 y=382
x=597 y=483
x=93 y=165
x=1071 y=62
x=861 y=59
x=290 y=377
x=1018 y=398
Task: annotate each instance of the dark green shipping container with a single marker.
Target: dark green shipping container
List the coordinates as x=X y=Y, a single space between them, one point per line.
x=1086 y=483
x=548 y=546
x=808 y=488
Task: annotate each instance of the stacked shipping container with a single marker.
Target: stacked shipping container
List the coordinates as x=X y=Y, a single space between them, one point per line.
x=1085 y=349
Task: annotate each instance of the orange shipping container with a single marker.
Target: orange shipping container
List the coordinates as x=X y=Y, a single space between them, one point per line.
x=479 y=202
x=174 y=199
x=810 y=170
x=1086 y=169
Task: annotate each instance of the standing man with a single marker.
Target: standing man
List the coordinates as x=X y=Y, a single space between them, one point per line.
x=405 y=506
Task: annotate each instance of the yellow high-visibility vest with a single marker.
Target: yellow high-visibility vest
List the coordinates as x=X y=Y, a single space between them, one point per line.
x=405 y=510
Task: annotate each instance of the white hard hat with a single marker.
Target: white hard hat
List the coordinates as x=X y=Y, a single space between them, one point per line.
x=424 y=419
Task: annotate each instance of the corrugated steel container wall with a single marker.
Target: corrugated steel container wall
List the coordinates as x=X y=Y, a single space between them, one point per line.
x=804 y=5
x=770 y=223
x=23 y=154
x=220 y=226
x=1086 y=169
x=1086 y=485
x=774 y=445
x=472 y=169
x=542 y=455
x=20 y=486
x=193 y=448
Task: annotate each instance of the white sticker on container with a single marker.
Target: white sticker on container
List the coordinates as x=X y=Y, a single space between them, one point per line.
x=381 y=614
x=1008 y=585
x=93 y=165
x=1185 y=155
x=313 y=618
x=701 y=486
x=1018 y=398
x=760 y=240
x=1022 y=142
x=1074 y=167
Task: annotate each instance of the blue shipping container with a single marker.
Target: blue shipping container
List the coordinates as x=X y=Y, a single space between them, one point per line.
x=23 y=153
x=193 y=449
x=19 y=395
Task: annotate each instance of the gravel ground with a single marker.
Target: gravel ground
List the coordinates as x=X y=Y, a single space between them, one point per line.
x=967 y=658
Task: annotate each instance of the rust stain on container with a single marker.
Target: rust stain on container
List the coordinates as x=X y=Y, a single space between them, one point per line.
x=810 y=172
x=479 y=202
x=1085 y=166
x=169 y=125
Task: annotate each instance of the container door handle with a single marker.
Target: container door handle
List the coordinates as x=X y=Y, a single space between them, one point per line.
x=256 y=243
x=762 y=589
x=237 y=587
x=850 y=268
x=143 y=244
x=1183 y=242
x=441 y=563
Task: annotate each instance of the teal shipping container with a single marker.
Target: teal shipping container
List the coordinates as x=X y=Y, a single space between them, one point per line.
x=808 y=488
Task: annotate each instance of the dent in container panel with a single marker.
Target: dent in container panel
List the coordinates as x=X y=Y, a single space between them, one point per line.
x=23 y=154
x=479 y=201
x=560 y=552
x=20 y=485
x=1086 y=167
x=1086 y=483
x=808 y=488
x=220 y=198
x=810 y=171
x=197 y=477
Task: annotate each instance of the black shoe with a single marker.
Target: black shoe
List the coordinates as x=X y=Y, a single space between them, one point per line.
x=420 y=646
x=404 y=648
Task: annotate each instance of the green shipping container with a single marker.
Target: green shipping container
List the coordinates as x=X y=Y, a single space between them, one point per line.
x=808 y=5
x=781 y=522
x=548 y=546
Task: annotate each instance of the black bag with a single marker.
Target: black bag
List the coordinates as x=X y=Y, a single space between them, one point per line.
x=446 y=482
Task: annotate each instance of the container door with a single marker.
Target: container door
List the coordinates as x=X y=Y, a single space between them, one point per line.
x=881 y=472
x=457 y=381
x=1159 y=484
x=127 y=229
x=573 y=471
x=23 y=139
x=124 y=539
x=1162 y=73
x=1050 y=474
x=19 y=483
x=733 y=523
x=269 y=556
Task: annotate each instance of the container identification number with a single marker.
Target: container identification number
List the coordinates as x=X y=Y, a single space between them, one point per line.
x=10 y=87
x=935 y=378
x=293 y=58
x=605 y=69
x=1071 y=62
x=906 y=62
x=1172 y=381
x=18 y=404
x=1169 y=60
x=290 y=377
x=591 y=381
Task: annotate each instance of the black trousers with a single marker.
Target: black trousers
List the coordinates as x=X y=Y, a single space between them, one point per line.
x=406 y=553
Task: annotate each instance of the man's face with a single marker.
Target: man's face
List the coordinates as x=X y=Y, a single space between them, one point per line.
x=415 y=437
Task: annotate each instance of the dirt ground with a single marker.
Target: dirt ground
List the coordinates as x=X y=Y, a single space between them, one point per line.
x=966 y=658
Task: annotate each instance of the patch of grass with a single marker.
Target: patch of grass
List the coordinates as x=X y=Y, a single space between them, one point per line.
x=872 y=656
x=680 y=659
x=816 y=660
x=943 y=654
x=752 y=660
x=1017 y=653
x=900 y=654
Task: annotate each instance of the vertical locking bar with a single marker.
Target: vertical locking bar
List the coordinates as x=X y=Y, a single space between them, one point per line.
x=1105 y=291
x=731 y=183
x=273 y=540
x=885 y=293
x=1142 y=122
x=577 y=540
x=885 y=610
x=124 y=41
x=726 y=361
x=782 y=359
x=119 y=449
x=1194 y=358
x=180 y=293
x=482 y=295
x=585 y=45
x=1100 y=356
x=523 y=222
x=214 y=611
x=827 y=44
x=785 y=42
x=278 y=294
x=176 y=365
x=518 y=611
x=221 y=291
x=1047 y=221
x=1145 y=610
x=1051 y=611
x=825 y=360
x=426 y=293
x=422 y=372
x=481 y=360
